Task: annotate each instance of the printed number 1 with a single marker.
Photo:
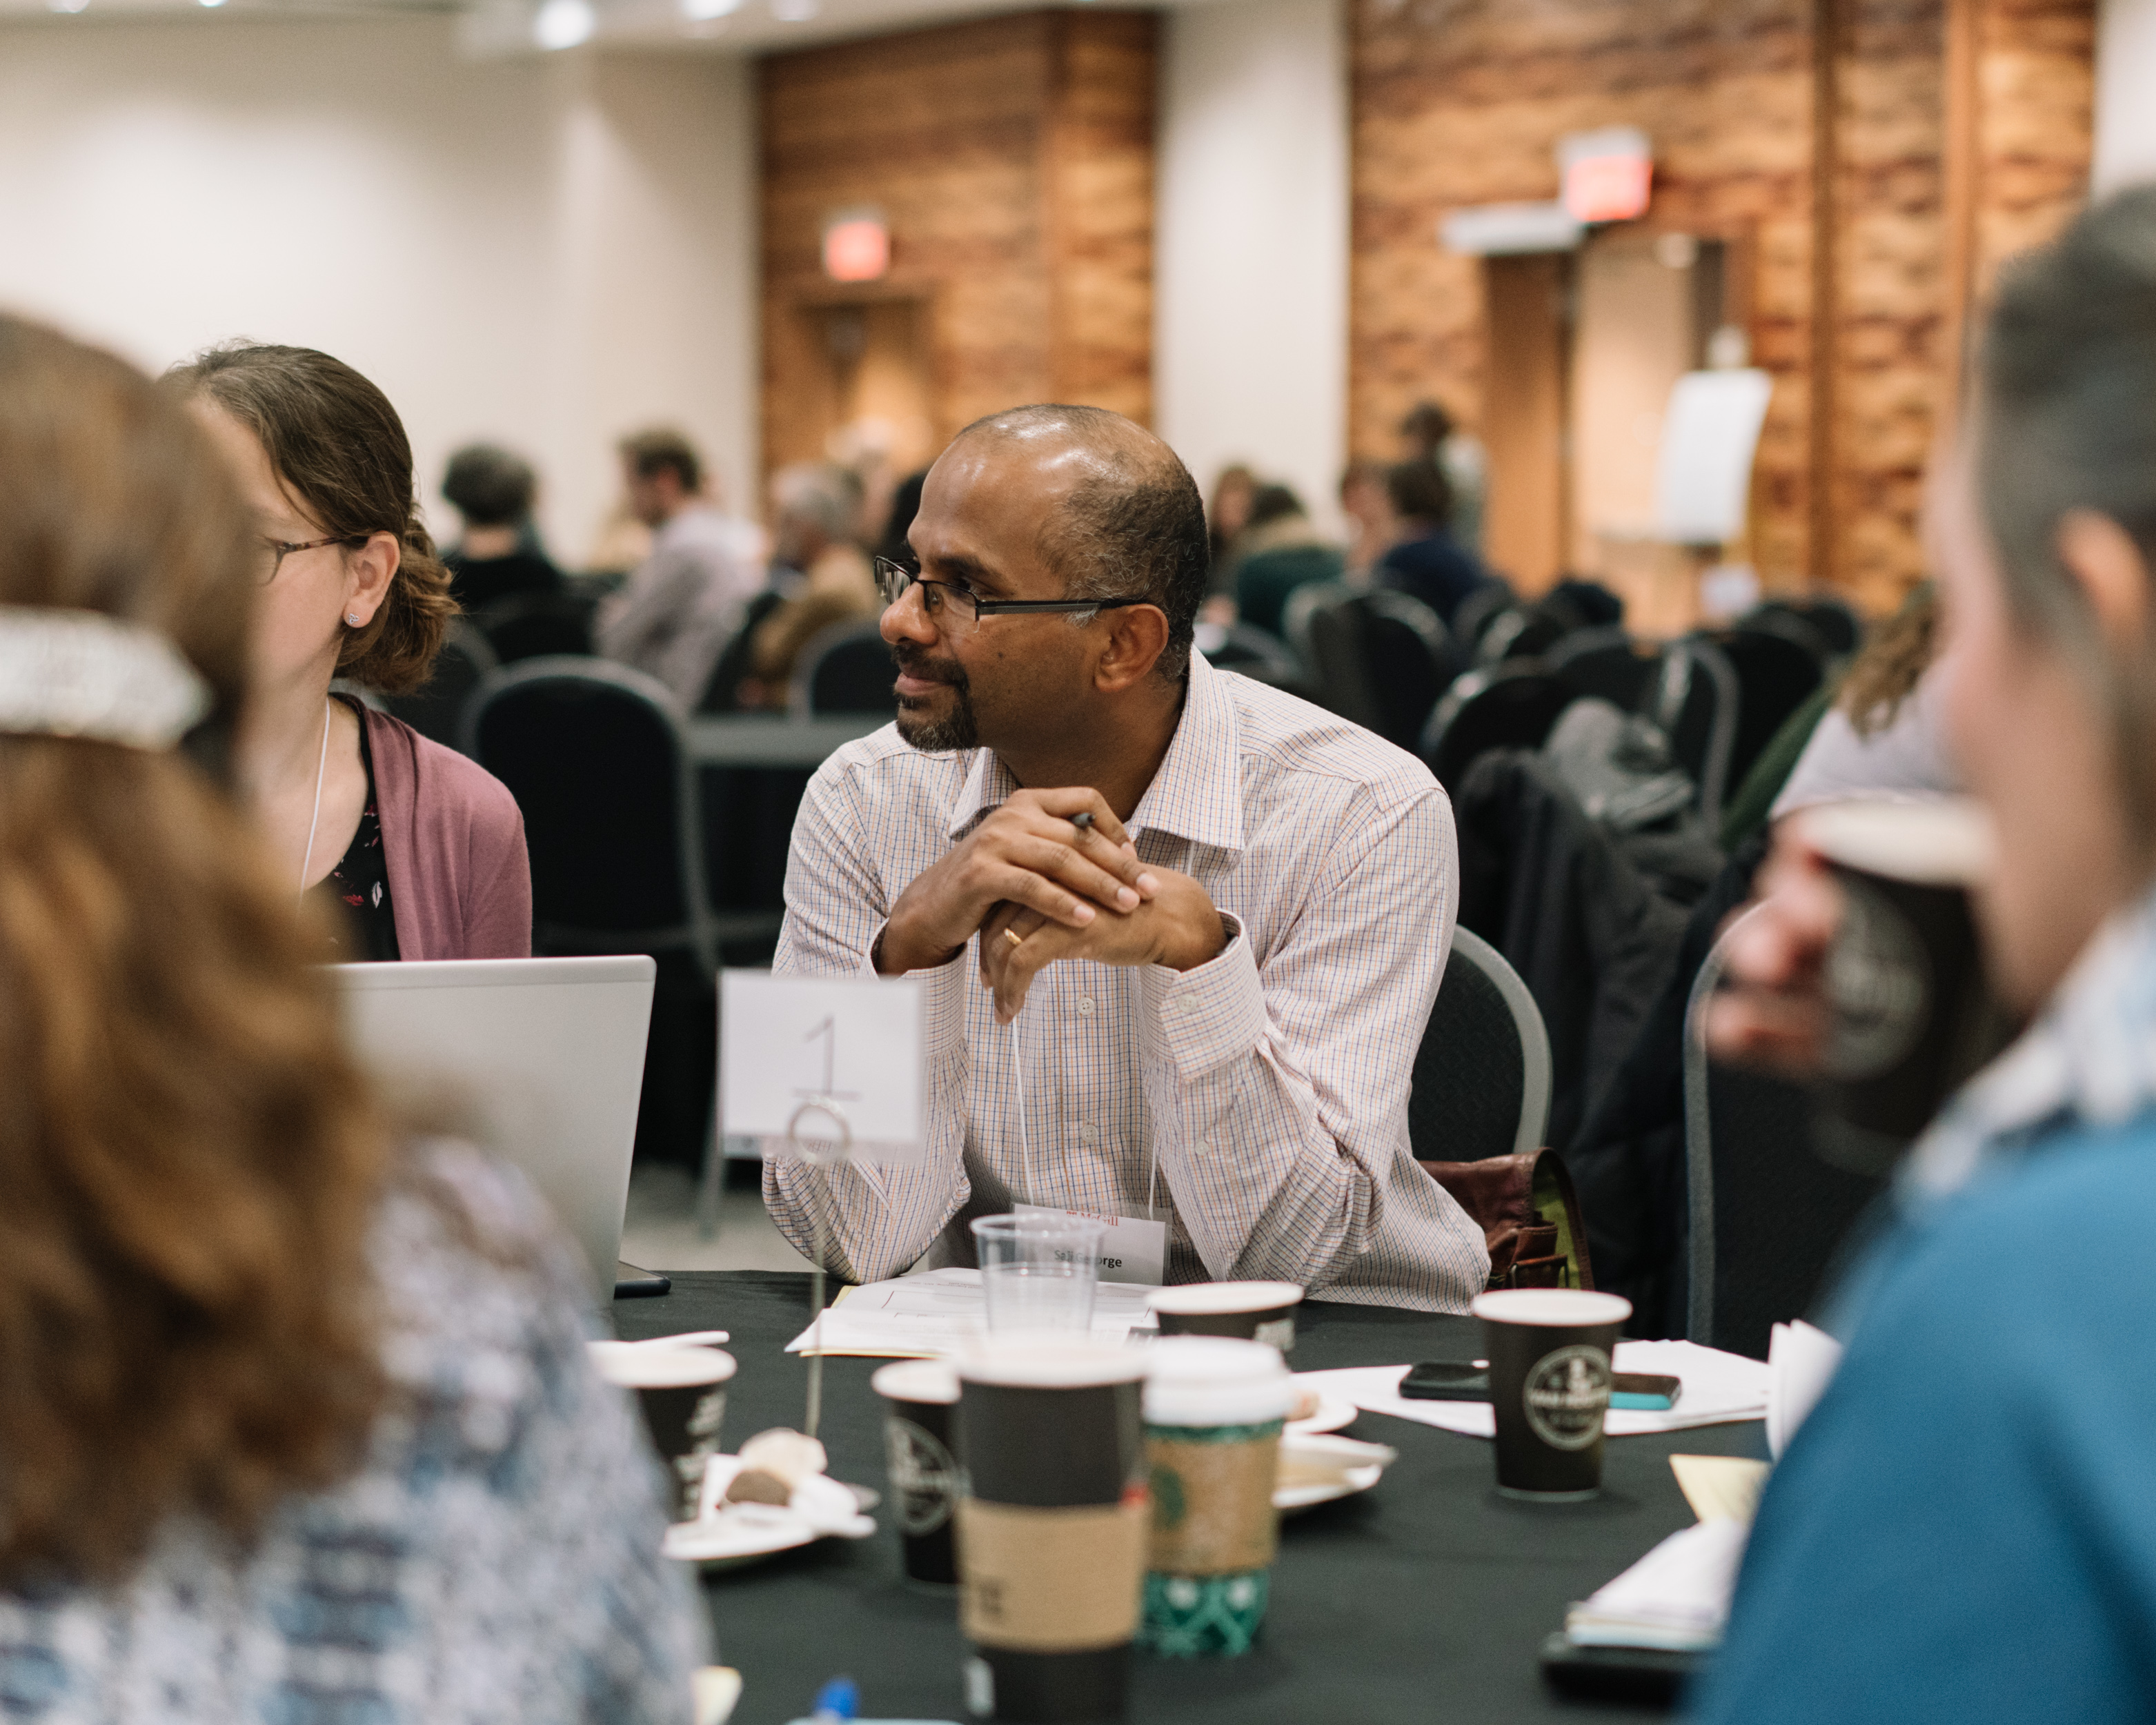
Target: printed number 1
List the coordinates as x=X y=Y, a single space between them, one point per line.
x=830 y=1032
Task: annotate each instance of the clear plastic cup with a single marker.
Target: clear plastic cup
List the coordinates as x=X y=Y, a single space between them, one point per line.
x=1039 y=1271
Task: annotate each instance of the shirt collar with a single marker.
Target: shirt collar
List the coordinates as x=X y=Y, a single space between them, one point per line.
x=1197 y=794
x=2089 y=1058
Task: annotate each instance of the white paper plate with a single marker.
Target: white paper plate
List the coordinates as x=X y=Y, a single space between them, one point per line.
x=1349 y=1465
x=727 y=1534
x=1333 y=1412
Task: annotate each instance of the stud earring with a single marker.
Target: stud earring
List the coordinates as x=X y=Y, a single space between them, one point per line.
x=354 y=618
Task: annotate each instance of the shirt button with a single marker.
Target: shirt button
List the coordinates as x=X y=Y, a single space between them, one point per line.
x=1188 y=1005
x=1087 y=1136
x=1086 y=1006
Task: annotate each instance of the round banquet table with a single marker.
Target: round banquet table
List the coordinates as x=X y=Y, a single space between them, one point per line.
x=1425 y=1598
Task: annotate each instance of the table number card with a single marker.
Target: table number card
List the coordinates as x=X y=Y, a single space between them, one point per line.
x=808 y=1048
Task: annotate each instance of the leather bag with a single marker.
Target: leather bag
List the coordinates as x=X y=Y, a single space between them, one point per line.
x=1529 y=1215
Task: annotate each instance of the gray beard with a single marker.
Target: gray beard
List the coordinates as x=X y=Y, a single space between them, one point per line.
x=936 y=737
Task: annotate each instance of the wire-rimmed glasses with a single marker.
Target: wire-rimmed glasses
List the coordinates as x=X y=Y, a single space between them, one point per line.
x=270 y=553
x=943 y=597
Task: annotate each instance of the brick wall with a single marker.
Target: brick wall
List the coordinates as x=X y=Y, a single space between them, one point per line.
x=1459 y=102
x=1013 y=158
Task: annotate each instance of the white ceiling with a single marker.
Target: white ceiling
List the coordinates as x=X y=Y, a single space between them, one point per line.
x=494 y=28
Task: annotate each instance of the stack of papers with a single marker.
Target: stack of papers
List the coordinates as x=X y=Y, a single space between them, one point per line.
x=942 y=1312
x=1801 y=1362
x=1718 y=1389
x=1677 y=1597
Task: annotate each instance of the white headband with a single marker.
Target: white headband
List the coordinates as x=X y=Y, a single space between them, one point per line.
x=83 y=674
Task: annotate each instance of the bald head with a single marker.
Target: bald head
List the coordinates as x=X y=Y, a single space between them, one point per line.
x=1131 y=523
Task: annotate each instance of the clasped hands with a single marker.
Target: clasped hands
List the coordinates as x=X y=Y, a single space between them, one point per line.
x=1038 y=887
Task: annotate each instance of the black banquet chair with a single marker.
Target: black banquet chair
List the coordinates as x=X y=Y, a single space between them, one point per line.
x=1779 y=665
x=437 y=712
x=1768 y=1217
x=1380 y=660
x=1482 y=1084
x=536 y=626
x=1503 y=707
x=845 y=669
x=598 y=759
x=1687 y=687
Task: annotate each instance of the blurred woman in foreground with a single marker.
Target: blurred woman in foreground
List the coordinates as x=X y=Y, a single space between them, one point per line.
x=295 y=1423
x=1964 y=1528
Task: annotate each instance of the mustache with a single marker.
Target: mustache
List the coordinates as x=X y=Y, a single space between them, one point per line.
x=912 y=662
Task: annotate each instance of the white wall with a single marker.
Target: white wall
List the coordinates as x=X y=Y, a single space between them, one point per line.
x=1250 y=239
x=2125 y=93
x=545 y=252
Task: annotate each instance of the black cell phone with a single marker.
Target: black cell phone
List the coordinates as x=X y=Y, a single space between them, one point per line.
x=1442 y=1380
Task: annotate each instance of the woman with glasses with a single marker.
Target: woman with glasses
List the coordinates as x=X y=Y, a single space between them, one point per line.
x=297 y=1421
x=423 y=849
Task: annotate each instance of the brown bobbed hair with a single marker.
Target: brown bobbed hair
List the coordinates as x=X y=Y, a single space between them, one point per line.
x=188 y=1159
x=339 y=449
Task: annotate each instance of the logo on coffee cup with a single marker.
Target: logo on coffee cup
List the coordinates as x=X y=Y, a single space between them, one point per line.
x=1879 y=982
x=1565 y=1396
x=923 y=1477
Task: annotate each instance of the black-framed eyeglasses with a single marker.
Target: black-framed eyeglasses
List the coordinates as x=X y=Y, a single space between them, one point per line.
x=270 y=557
x=894 y=583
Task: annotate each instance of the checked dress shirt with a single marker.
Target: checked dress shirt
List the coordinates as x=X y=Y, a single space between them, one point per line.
x=1262 y=1096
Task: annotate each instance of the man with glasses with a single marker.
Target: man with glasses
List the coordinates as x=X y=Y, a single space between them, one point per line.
x=1178 y=933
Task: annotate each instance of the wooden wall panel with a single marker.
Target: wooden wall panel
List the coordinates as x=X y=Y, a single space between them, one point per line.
x=1013 y=158
x=1459 y=102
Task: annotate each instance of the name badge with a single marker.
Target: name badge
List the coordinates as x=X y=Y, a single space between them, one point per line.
x=1134 y=1248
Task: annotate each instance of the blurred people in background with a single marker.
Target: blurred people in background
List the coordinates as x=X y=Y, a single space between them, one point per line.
x=499 y=557
x=423 y=848
x=1426 y=561
x=822 y=576
x=620 y=544
x=1962 y=1529
x=1428 y=434
x=1279 y=551
x=1228 y=513
x=688 y=598
x=1367 y=501
x=299 y=1419
x=893 y=547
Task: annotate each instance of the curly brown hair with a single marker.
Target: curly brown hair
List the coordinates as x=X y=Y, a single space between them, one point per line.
x=335 y=442
x=1886 y=672
x=188 y=1159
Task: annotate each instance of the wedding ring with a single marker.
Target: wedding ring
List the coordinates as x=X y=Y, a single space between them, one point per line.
x=1014 y=936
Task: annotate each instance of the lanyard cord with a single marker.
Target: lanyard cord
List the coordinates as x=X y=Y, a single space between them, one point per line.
x=322 y=768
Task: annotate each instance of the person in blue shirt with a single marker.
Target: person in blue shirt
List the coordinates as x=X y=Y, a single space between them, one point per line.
x=1426 y=561
x=1965 y=1527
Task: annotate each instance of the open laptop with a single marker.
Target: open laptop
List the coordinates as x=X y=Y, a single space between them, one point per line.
x=547 y=1055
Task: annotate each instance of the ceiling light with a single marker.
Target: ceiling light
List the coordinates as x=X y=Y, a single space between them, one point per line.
x=564 y=23
x=702 y=10
x=795 y=12
x=66 y=5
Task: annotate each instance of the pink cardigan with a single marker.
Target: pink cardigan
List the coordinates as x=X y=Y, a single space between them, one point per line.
x=453 y=844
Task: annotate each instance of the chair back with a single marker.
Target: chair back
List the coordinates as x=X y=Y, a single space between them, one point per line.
x=1472 y=617
x=1778 y=669
x=1409 y=661
x=536 y=626
x=1769 y=1216
x=596 y=756
x=1686 y=687
x=1322 y=629
x=1245 y=648
x=1837 y=628
x=845 y=669
x=436 y=712
x=1482 y=1084
x=1500 y=706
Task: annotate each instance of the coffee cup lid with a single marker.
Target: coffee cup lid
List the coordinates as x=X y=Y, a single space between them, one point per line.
x=1048 y=1359
x=1554 y=1306
x=1215 y=1380
x=653 y=1365
x=1213 y=1298
x=916 y=1380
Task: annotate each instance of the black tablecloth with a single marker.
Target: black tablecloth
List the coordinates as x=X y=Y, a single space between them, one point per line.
x=1425 y=1598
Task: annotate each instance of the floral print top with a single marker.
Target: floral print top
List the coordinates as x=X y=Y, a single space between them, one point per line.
x=359 y=882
